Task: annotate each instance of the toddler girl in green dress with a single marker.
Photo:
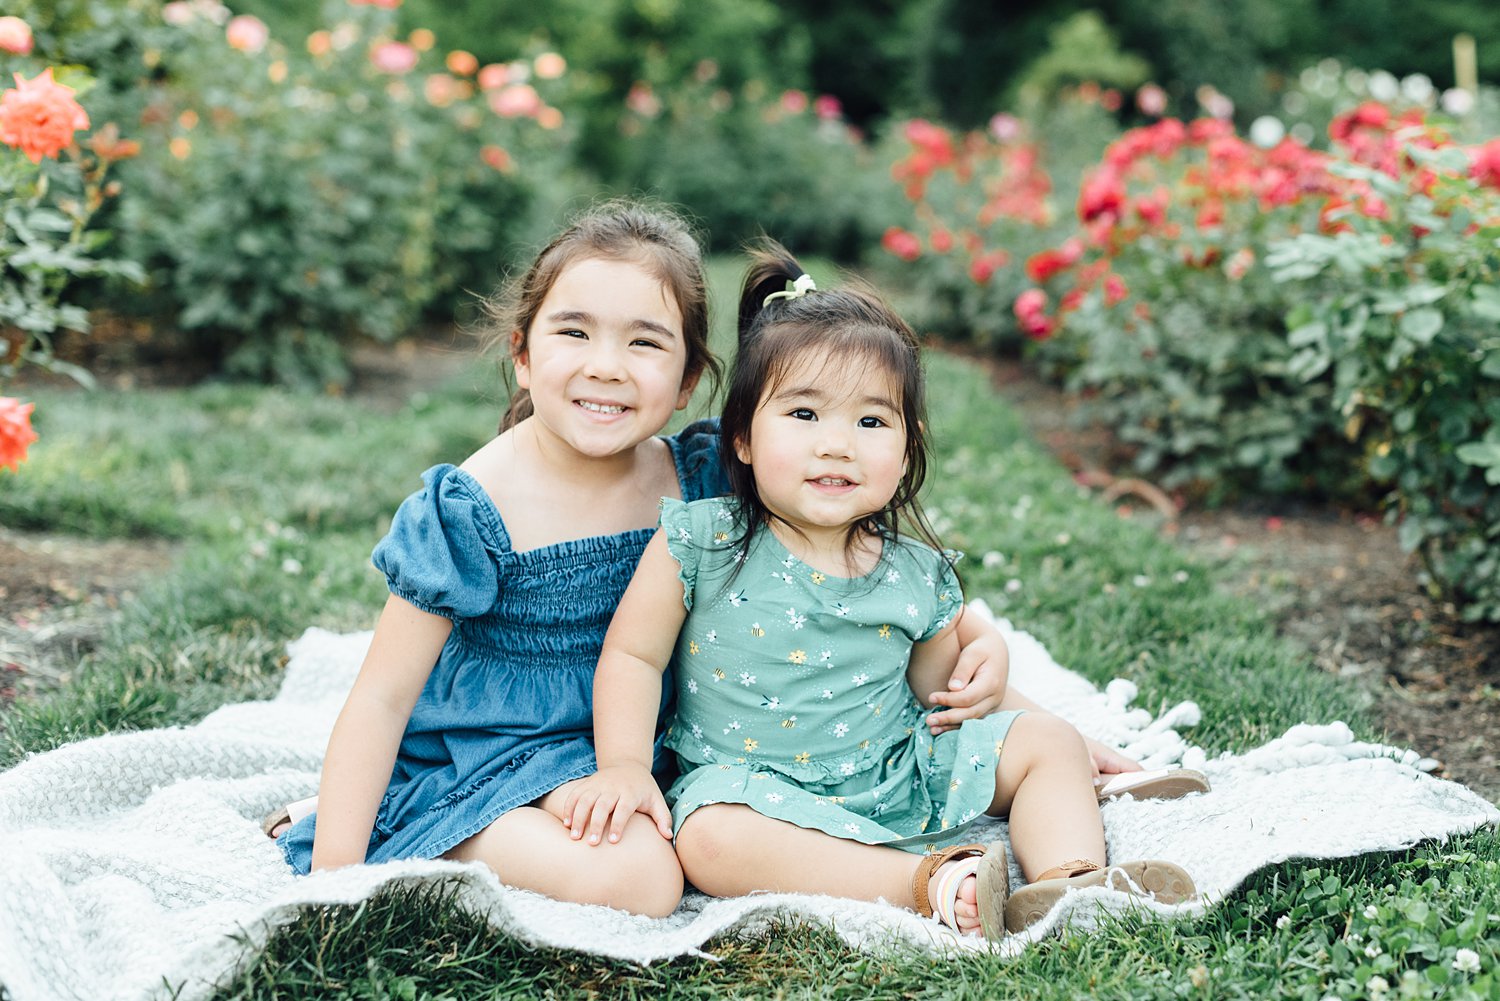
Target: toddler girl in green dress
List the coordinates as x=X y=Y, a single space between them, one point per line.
x=798 y=617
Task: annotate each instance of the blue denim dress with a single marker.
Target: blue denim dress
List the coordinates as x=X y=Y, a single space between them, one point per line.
x=507 y=713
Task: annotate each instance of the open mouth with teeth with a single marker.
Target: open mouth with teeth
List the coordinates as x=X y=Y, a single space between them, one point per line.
x=832 y=481
x=600 y=408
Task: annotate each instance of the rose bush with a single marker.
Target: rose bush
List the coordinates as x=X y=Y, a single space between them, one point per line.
x=292 y=197
x=1286 y=319
x=50 y=190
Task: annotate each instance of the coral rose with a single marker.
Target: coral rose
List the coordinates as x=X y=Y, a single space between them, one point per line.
x=461 y=63
x=40 y=116
x=549 y=66
x=15 y=432
x=15 y=36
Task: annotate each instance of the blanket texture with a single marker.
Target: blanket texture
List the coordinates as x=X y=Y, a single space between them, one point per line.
x=135 y=866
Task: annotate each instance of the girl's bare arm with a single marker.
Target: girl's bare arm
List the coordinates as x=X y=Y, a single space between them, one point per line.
x=362 y=748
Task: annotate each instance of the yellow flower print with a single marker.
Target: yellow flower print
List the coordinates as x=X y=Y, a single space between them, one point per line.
x=836 y=800
x=751 y=744
x=818 y=578
x=803 y=758
x=999 y=745
x=693 y=647
x=885 y=632
x=797 y=656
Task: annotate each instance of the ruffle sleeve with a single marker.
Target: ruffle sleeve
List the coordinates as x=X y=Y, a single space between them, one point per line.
x=683 y=543
x=700 y=468
x=947 y=590
x=440 y=553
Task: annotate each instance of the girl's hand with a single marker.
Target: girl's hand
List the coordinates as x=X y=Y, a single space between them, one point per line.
x=600 y=805
x=977 y=685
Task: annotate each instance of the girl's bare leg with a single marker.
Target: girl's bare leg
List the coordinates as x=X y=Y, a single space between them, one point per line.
x=1045 y=784
x=728 y=850
x=530 y=848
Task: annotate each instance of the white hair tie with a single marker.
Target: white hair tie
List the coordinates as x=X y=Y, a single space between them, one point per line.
x=803 y=285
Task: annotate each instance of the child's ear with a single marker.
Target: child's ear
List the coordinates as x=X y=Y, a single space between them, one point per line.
x=742 y=450
x=689 y=383
x=520 y=359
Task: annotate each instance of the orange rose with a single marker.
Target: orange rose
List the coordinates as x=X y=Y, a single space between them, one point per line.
x=40 y=116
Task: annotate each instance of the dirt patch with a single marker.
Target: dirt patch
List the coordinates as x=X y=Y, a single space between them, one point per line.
x=1339 y=585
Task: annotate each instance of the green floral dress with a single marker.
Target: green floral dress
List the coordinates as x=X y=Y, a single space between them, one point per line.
x=791 y=689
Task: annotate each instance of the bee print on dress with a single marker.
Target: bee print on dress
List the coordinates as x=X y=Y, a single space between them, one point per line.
x=756 y=630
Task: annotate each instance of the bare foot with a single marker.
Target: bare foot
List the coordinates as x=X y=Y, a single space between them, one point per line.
x=966 y=908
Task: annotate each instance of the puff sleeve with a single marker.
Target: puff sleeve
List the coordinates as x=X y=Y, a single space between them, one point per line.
x=440 y=553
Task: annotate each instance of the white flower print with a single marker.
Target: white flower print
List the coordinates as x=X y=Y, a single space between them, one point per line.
x=840 y=729
x=713 y=636
x=786 y=578
x=736 y=598
x=860 y=679
x=975 y=762
x=684 y=535
x=852 y=828
x=828 y=693
x=692 y=687
x=847 y=768
x=825 y=656
x=892 y=577
x=774 y=797
x=911 y=610
x=790 y=561
x=697 y=731
x=929 y=580
x=840 y=609
x=770 y=702
x=794 y=620
x=747 y=679
x=733 y=725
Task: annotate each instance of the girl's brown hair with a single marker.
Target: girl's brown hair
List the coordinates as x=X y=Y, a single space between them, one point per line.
x=849 y=325
x=620 y=230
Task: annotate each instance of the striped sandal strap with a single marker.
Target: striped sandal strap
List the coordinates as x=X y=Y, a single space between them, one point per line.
x=931 y=864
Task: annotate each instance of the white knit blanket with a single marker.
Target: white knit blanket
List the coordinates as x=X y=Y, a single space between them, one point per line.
x=134 y=865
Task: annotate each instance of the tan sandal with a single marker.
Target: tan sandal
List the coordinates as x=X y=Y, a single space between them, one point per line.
x=989 y=867
x=279 y=819
x=1162 y=783
x=1163 y=882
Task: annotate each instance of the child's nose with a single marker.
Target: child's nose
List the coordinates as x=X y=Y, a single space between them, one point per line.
x=604 y=361
x=835 y=441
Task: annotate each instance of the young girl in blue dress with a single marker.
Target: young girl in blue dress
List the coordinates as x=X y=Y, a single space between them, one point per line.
x=471 y=718
x=799 y=616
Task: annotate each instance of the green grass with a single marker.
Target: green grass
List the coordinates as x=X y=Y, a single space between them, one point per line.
x=277 y=499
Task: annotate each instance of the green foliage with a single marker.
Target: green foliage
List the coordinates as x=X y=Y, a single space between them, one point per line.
x=746 y=161
x=1397 y=317
x=1079 y=49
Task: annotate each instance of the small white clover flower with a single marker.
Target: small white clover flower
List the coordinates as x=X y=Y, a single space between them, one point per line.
x=1377 y=986
x=1371 y=912
x=291 y=566
x=1012 y=586
x=992 y=559
x=1372 y=950
x=1466 y=961
x=259 y=549
x=1283 y=921
x=1140 y=580
x=1181 y=577
x=1063 y=538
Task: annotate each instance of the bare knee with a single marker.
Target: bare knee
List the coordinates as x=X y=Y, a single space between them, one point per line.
x=711 y=839
x=639 y=874
x=1041 y=734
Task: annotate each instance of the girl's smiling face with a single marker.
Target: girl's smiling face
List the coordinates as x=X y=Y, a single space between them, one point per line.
x=605 y=358
x=827 y=443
